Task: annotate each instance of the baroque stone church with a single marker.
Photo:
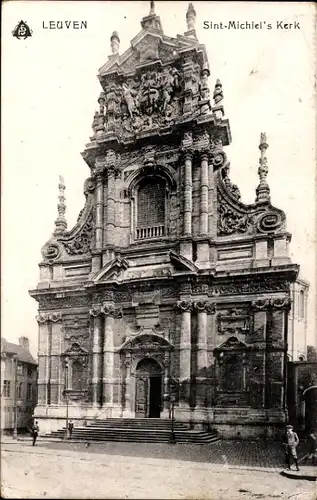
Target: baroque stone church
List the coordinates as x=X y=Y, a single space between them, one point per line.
x=169 y=287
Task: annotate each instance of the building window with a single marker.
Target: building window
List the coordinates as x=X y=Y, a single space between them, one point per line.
x=77 y=376
x=301 y=304
x=150 y=220
x=20 y=369
x=19 y=390
x=233 y=375
x=29 y=393
x=6 y=388
x=30 y=371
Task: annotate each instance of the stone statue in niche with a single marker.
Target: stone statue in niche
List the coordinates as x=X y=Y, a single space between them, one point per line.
x=129 y=96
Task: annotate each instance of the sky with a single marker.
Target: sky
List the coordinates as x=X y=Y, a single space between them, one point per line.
x=49 y=96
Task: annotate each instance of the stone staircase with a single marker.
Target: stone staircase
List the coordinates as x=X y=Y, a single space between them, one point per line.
x=140 y=430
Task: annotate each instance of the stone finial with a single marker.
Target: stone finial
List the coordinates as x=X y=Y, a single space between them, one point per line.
x=152 y=8
x=218 y=93
x=263 y=190
x=115 y=42
x=190 y=17
x=61 y=223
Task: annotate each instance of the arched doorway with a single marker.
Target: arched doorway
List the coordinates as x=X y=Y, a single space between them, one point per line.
x=310 y=398
x=148 y=389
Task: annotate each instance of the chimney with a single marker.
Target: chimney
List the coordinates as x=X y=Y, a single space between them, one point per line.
x=24 y=342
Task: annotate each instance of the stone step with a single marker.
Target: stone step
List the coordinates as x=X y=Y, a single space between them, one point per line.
x=131 y=436
x=136 y=435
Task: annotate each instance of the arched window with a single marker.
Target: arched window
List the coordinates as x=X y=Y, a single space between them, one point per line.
x=151 y=208
x=301 y=304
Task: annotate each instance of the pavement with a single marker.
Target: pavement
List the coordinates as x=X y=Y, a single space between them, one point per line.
x=225 y=470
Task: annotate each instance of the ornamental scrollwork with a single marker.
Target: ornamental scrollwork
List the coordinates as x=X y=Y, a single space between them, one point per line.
x=231 y=188
x=230 y=221
x=270 y=221
x=51 y=251
x=95 y=312
x=266 y=284
x=81 y=243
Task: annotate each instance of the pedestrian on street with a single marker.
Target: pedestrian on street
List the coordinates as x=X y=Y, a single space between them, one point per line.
x=312 y=453
x=35 y=432
x=70 y=429
x=290 y=443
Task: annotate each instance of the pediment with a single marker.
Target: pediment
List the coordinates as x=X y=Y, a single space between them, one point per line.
x=180 y=263
x=149 y=341
x=148 y=46
x=75 y=350
x=112 y=270
x=231 y=343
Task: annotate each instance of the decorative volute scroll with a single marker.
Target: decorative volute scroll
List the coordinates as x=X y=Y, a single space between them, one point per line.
x=234 y=217
x=77 y=241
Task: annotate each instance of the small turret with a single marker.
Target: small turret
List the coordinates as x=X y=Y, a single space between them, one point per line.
x=115 y=42
x=263 y=190
x=61 y=223
x=191 y=17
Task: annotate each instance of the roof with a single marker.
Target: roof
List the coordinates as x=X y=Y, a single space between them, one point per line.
x=22 y=353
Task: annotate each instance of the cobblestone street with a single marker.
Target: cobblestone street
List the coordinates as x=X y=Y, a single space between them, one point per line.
x=225 y=471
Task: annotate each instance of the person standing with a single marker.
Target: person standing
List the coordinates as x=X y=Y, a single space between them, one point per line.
x=70 y=428
x=291 y=441
x=35 y=432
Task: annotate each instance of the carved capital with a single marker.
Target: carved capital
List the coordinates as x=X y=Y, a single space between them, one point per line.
x=109 y=310
x=46 y=318
x=184 y=306
x=188 y=154
x=95 y=311
x=204 y=155
x=113 y=171
x=284 y=303
x=260 y=305
x=42 y=318
x=202 y=306
x=275 y=303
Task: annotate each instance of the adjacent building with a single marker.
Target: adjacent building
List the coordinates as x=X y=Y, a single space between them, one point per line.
x=18 y=385
x=168 y=285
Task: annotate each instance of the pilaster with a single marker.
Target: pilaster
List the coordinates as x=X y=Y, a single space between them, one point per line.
x=96 y=356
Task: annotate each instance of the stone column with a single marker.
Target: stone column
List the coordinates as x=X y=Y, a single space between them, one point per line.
x=111 y=202
x=202 y=308
x=99 y=212
x=108 y=355
x=43 y=376
x=96 y=357
x=188 y=203
x=127 y=386
x=185 y=308
x=203 y=221
x=212 y=214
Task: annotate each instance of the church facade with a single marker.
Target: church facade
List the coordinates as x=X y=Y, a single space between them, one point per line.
x=168 y=287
